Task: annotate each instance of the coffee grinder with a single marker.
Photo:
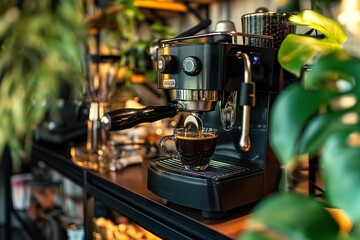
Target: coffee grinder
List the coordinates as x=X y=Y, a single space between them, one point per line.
x=222 y=85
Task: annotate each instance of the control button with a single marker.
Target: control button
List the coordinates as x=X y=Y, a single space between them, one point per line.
x=167 y=64
x=191 y=66
x=255 y=58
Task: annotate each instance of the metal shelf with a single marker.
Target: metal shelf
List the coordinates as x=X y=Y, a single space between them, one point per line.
x=126 y=192
x=21 y=216
x=162 y=221
x=58 y=161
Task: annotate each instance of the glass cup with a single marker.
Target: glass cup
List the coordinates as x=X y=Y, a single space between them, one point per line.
x=193 y=149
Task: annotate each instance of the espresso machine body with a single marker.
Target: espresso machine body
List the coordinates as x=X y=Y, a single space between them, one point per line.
x=212 y=73
x=215 y=66
x=222 y=85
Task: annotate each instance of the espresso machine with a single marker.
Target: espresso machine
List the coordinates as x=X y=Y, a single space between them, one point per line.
x=224 y=85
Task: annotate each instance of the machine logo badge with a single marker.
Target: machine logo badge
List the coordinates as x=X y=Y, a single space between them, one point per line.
x=170 y=83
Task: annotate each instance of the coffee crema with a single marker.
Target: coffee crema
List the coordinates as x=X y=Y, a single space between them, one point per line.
x=196 y=149
x=195 y=135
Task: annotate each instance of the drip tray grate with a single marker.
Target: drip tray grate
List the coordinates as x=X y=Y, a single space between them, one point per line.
x=215 y=170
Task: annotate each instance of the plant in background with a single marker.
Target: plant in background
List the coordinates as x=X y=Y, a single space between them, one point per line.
x=317 y=118
x=143 y=56
x=121 y=34
x=123 y=39
x=40 y=52
x=295 y=5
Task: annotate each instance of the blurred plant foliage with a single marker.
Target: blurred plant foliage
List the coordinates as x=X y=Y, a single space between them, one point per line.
x=140 y=61
x=40 y=52
x=122 y=35
x=123 y=38
x=296 y=5
x=297 y=50
x=318 y=118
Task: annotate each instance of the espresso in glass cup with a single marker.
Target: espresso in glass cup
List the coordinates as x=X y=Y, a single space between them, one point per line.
x=193 y=149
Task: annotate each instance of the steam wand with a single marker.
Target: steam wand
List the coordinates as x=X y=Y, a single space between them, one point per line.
x=247 y=99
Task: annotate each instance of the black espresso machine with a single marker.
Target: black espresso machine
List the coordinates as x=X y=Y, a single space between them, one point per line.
x=227 y=86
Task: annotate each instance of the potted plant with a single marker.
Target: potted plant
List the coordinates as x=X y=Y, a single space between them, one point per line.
x=40 y=53
x=318 y=117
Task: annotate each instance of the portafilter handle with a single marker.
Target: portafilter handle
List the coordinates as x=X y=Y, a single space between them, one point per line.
x=130 y=117
x=247 y=96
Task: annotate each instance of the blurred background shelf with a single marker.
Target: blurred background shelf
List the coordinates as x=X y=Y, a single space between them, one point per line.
x=150 y=9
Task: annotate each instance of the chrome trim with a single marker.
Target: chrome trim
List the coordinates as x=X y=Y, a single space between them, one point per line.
x=198 y=106
x=228 y=110
x=193 y=95
x=193 y=120
x=166 y=42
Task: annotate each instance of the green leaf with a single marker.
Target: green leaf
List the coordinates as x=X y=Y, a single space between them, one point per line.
x=258 y=235
x=297 y=50
x=330 y=28
x=330 y=68
x=290 y=113
x=333 y=66
x=291 y=216
x=319 y=129
x=340 y=165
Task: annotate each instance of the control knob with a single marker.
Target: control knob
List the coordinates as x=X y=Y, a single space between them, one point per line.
x=167 y=64
x=191 y=66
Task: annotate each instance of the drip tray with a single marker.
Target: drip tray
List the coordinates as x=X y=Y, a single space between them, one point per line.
x=214 y=191
x=215 y=170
